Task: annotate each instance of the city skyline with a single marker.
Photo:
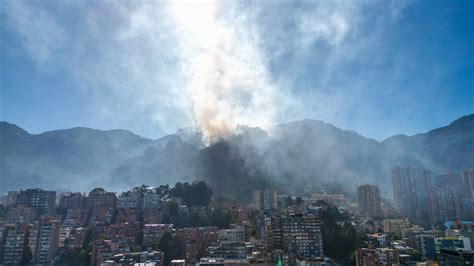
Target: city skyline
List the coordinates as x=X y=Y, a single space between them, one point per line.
x=237 y=133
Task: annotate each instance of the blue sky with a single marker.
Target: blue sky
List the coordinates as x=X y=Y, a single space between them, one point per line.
x=377 y=67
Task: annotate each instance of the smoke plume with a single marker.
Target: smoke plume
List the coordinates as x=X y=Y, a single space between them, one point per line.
x=228 y=82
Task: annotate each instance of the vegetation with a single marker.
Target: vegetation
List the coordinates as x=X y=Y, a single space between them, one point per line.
x=195 y=194
x=339 y=241
x=171 y=247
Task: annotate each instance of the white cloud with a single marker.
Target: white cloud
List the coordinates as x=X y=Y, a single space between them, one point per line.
x=165 y=65
x=40 y=33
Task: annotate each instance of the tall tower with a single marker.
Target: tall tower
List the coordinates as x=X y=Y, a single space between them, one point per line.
x=369 y=200
x=265 y=200
x=411 y=191
x=468 y=183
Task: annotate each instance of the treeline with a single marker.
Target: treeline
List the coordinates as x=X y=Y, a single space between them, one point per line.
x=197 y=193
x=339 y=240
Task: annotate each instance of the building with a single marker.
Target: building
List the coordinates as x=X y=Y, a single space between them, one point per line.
x=76 y=238
x=70 y=201
x=104 y=249
x=228 y=250
x=366 y=257
x=410 y=192
x=41 y=200
x=151 y=200
x=376 y=257
x=21 y=214
x=148 y=258
x=12 y=198
x=428 y=247
x=98 y=197
x=129 y=199
x=369 y=200
x=301 y=236
x=388 y=257
x=234 y=234
x=178 y=263
x=467 y=207
x=468 y=183
x=75 y=218
x=16 y=242
x=152 y=233
x=382 y=239
x=445 y=198
x=44 y=241
x=396 y=226
x=126 y=232
x=456 y=257
x=212 y=261
x=196 y=241
x=265 y=200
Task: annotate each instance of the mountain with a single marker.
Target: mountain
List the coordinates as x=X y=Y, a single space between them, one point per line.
x=442 y=149
x=311 y=155
x=166 y=163
x=63 y=157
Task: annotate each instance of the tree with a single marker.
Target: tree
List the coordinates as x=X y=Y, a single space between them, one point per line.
x=166 y=219
x=339 y=241
x=289 y=201
x=220 y=219
x=174 y=210
x=172 y=248
x=195 y=194
x=98 y=190
x=298 y=201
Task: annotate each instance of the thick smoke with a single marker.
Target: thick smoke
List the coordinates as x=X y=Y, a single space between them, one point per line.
x=229 y=84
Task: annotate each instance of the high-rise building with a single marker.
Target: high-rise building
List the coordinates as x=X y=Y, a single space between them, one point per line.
x=468 y=183
x=456 y=257
x=444 y=205
x=428 y=247
x=42 y=201
x=151 y=201
x=71 y=201
x=445 y=198
x=44 y=241
x=129 y=199
x=98 y=197
x=411 y=192
x=21 y=214
x=467 y=207
x=265 y=200
x=301 y=236
x=12 y=198
x=369 y=200
x=16 y=242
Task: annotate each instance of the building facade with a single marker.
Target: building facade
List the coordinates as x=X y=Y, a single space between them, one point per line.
x=265 y=200
x=410 y=192
x=369 y=200
x=41 y=200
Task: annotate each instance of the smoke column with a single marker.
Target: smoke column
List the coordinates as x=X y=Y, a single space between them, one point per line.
x=228 y=82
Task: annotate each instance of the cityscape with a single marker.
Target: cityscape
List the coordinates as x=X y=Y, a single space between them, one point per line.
x=431 y=222
x=237 y=132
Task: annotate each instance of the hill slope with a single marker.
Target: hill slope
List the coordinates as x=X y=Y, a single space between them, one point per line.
x=307 y=154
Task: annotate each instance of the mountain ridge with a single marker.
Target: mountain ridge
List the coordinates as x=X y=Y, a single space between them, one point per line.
x=307 y=151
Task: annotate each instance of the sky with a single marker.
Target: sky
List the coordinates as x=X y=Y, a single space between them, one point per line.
x=379 y=68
